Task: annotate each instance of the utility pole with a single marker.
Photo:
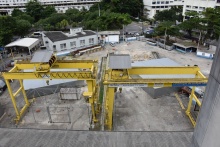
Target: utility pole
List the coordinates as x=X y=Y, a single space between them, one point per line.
x=123 y=33
x=99 y=10
x=199 y=40
x=165 y=35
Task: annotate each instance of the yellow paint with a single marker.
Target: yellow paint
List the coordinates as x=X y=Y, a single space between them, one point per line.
x=180 y=102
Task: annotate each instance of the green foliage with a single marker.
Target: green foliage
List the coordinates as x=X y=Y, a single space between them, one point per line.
x=207 y=24
x=34 y=9
x=173 y=14
x=26 y=17
x=132 y=7
x=211 y=17
x=7 y=29
x=22 y=27
x=107 y=21
x=166 y=28
x=16 y=12
x=48 y=11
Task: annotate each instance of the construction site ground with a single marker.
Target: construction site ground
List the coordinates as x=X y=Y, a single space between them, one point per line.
x=134 y=109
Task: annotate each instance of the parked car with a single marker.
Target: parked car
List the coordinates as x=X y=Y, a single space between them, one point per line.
x=3 y=86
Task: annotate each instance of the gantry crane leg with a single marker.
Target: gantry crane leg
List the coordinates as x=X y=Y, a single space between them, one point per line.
x=109 y=105
x=13 y=95
x=91 y=90
x=189 y=108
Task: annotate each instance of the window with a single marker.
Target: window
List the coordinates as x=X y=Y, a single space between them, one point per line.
x=82 y=42
x=54 y=47
x=91 y=40
x=63 y=46
x=73 y=44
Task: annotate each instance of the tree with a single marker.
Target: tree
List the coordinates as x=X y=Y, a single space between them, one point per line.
x=63 y=24
x=34 y=9
x=211 y=16
x=26 y=17
x=16 y=12
x=132 y=7
x=22 y=27
x=48 y=11
x=173 y=14
x=192 y=23
x=167 y=29
x=107 y=21
x=7 y=28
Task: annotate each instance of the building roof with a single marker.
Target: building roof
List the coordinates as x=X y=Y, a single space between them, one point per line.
x=109 y=33
x=119 y=61
x=51 y=138
x=59 y=36
x=185 y=44
x=24 y=42
x=42 y=57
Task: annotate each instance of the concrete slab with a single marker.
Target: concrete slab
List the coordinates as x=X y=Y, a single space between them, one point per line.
x=51 y=138
x=135 y=110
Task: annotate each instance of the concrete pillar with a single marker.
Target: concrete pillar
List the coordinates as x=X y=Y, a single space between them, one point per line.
x=207 y=131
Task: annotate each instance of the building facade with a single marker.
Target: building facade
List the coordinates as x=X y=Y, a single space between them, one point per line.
x=78 y=38
x=7 y=6
x=199 y=5
x=151 y=7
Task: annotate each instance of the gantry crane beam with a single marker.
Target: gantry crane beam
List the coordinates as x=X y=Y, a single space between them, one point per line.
x=123 y=78
x=21 y=65
x=80 y=75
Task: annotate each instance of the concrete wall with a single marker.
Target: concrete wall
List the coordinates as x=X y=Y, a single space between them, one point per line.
x=207 y=131
x=197 y=5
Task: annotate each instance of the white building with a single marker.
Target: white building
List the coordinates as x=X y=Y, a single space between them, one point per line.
x=7 y=6
x=154 y=6
x=57 y=41
x=199 y=5
x=109 y=36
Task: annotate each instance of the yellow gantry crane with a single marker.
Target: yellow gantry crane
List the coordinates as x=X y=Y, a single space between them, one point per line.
x=120 y=74
x=117 y=73
x=45 y=66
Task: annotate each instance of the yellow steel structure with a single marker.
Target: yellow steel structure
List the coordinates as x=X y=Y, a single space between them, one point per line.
x=85 y=70
x=123 y=78
x=112 y=78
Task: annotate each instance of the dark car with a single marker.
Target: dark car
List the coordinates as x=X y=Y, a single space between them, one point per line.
x=3 y=86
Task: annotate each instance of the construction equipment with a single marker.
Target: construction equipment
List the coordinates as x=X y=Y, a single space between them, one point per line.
x=45 y=66
x=118 y=73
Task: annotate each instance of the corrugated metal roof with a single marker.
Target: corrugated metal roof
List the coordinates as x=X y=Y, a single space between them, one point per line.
x=24 y=42
x=52 y=138
x=41 y=57
x=119 y=61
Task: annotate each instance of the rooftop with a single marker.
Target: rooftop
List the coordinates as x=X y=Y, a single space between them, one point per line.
x=59 y=35
x=24 y=42
x=119 y=61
